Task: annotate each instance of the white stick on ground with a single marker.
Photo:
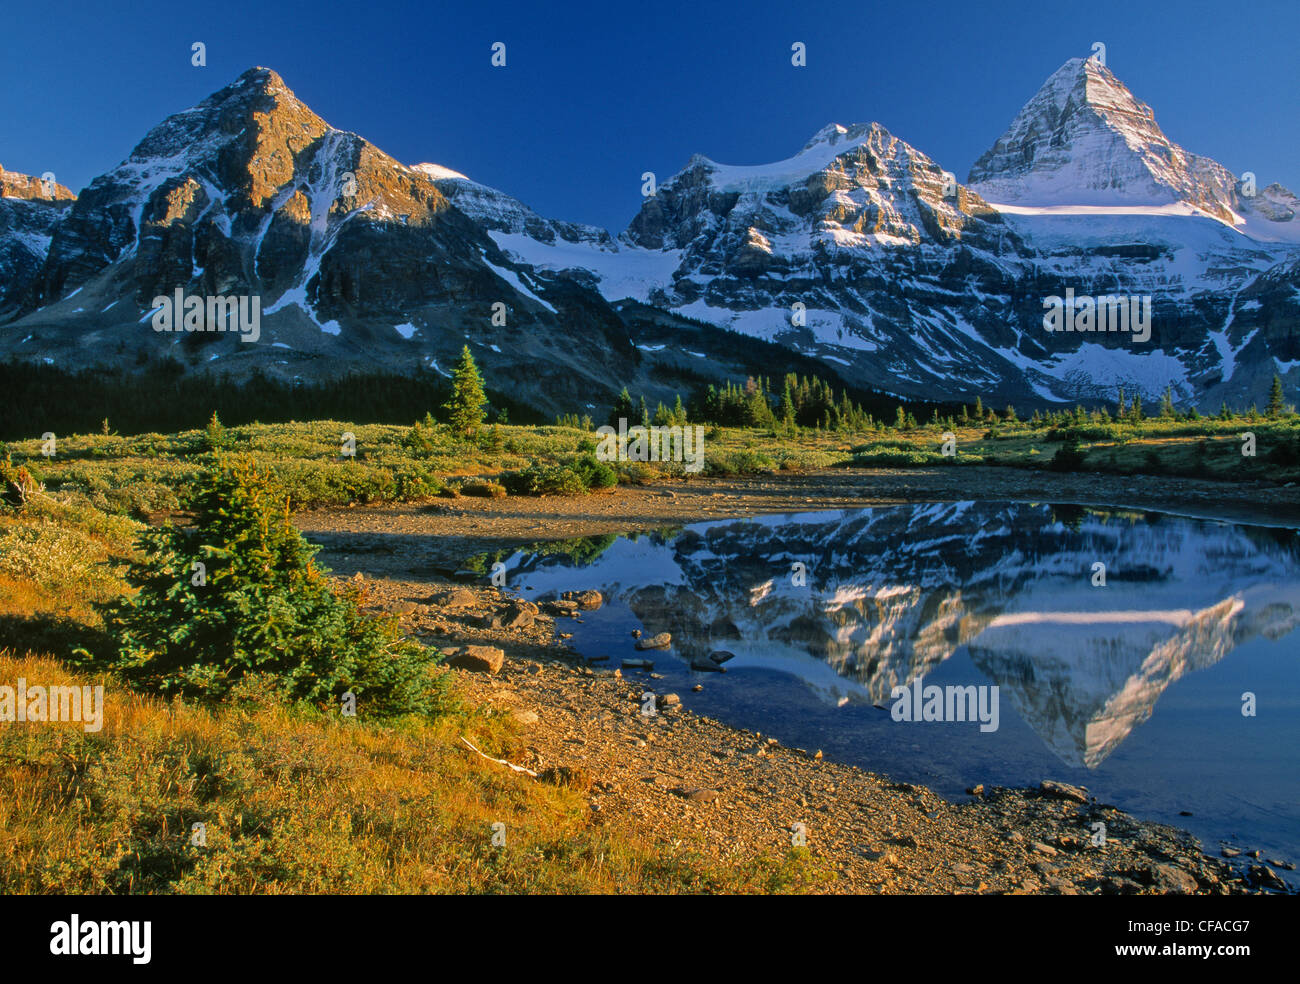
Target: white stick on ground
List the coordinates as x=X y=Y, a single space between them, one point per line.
x=516 y=768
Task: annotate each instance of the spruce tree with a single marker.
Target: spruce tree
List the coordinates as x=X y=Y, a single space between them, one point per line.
x=1275 y=397
x=787 y=407
x=624 y=408
x=465 y=405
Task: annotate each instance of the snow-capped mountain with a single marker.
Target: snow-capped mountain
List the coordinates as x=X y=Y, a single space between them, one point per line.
x=859 y=252
x=1084 y=140
x=359 y=261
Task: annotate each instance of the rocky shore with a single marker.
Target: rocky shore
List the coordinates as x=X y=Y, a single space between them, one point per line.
x=684 y=778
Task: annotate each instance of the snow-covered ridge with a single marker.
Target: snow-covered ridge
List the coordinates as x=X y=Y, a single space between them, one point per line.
x=817 y=154
x=438 y=172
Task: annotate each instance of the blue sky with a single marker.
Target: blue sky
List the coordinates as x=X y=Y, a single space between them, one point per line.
x=593 y=94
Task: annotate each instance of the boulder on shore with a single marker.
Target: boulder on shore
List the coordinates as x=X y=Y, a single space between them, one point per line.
x=478 y=659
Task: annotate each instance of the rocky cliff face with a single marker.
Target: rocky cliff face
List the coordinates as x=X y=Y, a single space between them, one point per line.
x=359 y=261
x=30 y=188
x=30 y=210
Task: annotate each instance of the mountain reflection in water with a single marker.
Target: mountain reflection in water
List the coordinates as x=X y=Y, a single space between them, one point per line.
x=891 y=593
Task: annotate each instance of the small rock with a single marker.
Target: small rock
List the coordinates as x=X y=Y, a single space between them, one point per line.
x=1230 y=852
x=698 y=687
x=1062 y=886
x=976 y=790
x=1262 y=874
x=706 y=666
x=721 y=656
x=519 y=615
x=524 y=716
x=457 y=598
x=479 y=659
x=1042 y=848
x=586 y=600
x=667 y=700
x=1063 y=790
x=661 y=641
x=638 y=664
x=1173 y=880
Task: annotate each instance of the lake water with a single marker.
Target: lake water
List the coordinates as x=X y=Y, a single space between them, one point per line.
x=1134 y=689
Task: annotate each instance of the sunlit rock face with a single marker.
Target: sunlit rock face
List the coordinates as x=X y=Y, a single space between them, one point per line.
x=891 y=593
x=360 y=262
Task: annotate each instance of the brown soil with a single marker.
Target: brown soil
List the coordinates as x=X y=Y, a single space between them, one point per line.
x=679 y=776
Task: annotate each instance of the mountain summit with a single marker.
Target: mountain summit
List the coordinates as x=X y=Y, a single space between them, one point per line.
x=1084 y=139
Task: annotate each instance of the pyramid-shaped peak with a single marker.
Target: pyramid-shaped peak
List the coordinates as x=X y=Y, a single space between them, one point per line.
x=1085 y=139
x=1086 y=84
x=257 y=82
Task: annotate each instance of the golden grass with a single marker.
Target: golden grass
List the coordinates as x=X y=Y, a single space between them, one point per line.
x=294 y=801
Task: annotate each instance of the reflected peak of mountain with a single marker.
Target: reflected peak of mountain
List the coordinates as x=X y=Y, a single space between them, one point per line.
x=858 y=602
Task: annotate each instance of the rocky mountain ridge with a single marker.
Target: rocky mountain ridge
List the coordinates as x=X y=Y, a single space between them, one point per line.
x=859 y=251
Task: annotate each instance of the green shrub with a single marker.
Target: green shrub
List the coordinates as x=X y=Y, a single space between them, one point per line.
x=740 y=462
x=483 y=490
x=595 y=474
x=259 y=605
x=1069 y=457
x=1084 y=432
x=539 y=479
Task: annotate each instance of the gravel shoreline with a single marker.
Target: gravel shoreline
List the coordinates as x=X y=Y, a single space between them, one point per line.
x=682 y=777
